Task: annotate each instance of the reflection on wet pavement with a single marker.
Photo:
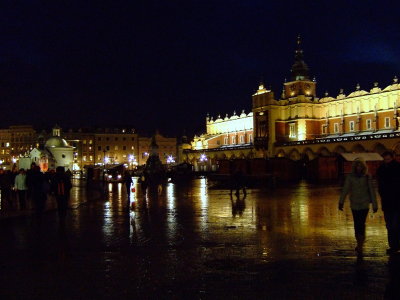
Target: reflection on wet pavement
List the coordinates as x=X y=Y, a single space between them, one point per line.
x=193 y=241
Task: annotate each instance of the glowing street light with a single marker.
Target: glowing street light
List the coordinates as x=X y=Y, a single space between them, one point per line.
x=203 y=157
x=132 y=160
x=170 y=159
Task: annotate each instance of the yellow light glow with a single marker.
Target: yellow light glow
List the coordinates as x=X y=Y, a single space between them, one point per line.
x=301 y=127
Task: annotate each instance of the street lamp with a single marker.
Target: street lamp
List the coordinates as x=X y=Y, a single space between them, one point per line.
x=203 y=157
x=170 y=159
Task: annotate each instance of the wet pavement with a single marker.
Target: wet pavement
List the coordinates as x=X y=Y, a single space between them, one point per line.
x=196 y=242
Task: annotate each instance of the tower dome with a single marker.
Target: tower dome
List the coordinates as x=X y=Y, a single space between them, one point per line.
x=56 y=141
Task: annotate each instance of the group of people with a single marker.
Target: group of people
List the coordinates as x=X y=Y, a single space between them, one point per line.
x=35 y=186
x=362 y=194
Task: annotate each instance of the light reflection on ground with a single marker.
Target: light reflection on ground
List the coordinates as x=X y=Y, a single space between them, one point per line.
x=191 y=238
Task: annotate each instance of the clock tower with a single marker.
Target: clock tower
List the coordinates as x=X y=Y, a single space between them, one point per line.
x=300 y=84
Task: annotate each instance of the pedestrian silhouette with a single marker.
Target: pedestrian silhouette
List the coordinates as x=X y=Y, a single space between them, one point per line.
x=128 y=182
x=61 y=187
x=21 y=188
x=237 y=181
x=358 y=185
x=388 y=175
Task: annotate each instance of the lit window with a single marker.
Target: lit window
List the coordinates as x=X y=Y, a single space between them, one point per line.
x=90 y=157
x=387 y=122
x=98 y=157
x=242 y=139
x=336 y=127
x=351 y=125
x=250 y=138
x=84 y=158
x=90 y=142
x=368 y=124
x=225 y=141
x=324 y=129
x=233 y=140
x=84 y=142
x=116 y=148
x=292 y=130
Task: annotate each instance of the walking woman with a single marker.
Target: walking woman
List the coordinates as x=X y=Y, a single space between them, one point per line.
x=361 y=193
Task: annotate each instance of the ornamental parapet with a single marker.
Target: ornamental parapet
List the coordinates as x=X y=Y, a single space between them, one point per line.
x=223 y=148
x=342 y=139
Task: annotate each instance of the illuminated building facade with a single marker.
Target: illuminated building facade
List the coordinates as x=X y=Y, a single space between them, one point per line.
x=225 y=138
x=104 y=145
x=167 y=149
x=299 y=124
x=15 y=141
x=228 y=132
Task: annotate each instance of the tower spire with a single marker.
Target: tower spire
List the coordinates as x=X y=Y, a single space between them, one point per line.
x=299 y=69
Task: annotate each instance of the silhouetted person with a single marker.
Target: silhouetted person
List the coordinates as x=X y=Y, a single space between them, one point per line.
x=128 y=182
x=29 y=181
x=68 y=173
x=6 y=183
x=144 y=182
x=61 y=186
x=21 y=188
x=388 y=175
x=39 y=186
x=238 y=182
x=358 y=185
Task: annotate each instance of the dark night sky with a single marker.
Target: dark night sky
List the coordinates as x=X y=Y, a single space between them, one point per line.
x=165 y=64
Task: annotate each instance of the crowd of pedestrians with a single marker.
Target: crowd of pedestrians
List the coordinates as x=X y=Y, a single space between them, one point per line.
x=33 y=189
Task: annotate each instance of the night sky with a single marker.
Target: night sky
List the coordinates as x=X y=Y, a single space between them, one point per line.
x=166 y=64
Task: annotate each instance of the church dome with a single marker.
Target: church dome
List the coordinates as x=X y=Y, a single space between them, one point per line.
x=56 y=141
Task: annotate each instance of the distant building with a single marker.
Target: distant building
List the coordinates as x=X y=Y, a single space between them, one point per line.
x=167 y=149
x=15 y=141
x=54 y=153
x=229 y=137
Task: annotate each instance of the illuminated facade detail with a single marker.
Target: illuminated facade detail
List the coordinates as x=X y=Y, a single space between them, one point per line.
x=228 y=132
x=292 y=130
x=167 y=147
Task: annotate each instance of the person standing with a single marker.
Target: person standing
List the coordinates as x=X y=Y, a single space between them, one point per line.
x=61 y=186
x=238 y=182
x=388 y=175
x=39 y=192
x=6 y=184
x=143 y=182
x=128 y=182
x=21 y=187
x=361 y=191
